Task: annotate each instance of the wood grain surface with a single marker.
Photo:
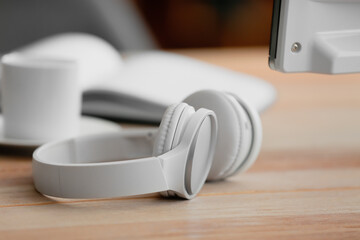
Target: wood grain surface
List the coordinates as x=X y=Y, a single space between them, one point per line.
x=305 y=184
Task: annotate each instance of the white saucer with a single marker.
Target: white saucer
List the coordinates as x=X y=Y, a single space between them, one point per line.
x=88 y=125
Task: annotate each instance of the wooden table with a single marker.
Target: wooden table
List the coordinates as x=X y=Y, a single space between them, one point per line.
x=305 y=184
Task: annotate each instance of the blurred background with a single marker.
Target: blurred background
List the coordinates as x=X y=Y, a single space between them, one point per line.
x=139 y=24
x=207 y=23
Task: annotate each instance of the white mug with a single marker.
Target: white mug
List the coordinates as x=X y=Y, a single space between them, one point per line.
x=41 y=99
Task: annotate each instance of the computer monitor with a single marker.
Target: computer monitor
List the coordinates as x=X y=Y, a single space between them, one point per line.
x=321 y=36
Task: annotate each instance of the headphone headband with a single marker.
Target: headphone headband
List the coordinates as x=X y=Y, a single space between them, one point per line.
x=57 y=175
x=76 y=168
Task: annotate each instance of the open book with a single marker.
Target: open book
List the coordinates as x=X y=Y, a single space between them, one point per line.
x=140 y=86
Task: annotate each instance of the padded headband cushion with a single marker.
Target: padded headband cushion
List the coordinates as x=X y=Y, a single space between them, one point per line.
x=231 y=122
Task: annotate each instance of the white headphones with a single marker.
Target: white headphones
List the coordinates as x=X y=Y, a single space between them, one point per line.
x=193 y=144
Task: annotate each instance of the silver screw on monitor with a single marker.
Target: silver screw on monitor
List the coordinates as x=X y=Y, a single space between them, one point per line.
x=296 y=47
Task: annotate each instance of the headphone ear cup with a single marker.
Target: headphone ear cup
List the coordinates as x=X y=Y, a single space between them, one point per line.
x=171 y=130
x=246 y=135
x=235 y=135
x=256 y=138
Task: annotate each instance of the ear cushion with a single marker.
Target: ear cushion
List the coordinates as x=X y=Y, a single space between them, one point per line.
x=234 y=138
x=171 y=127
x=181 y=126
x=160 y=139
